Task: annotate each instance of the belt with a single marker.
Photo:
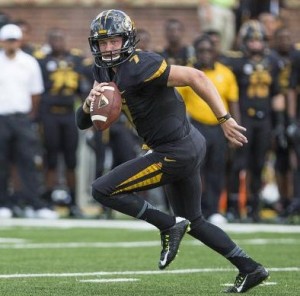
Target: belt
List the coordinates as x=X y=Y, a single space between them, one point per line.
x=258 y=114
x=61 y=109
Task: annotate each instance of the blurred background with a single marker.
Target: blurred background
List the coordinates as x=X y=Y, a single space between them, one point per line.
x=46 y=23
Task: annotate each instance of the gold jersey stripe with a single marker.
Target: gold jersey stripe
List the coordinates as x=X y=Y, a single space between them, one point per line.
x=161 y=70
x=148 y=170
x=153 y=180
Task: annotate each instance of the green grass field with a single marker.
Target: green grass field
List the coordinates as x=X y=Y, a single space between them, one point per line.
x=93 y=260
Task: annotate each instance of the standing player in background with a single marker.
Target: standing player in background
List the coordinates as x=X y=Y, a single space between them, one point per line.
x=150 y=100
x=284 y=49
x=293 y=129
x=175 y=51
x=257 y=75
x=61 y=70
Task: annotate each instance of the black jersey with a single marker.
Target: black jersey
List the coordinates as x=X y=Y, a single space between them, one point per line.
x=62 y=79
x=156 y=110
x=257 y=81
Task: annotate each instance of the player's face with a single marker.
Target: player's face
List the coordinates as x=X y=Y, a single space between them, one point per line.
x=255 y=46
x=110 y=48
x=174 y=33
x=205 y=54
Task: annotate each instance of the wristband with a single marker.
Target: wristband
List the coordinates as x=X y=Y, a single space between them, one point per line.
x=224 y=118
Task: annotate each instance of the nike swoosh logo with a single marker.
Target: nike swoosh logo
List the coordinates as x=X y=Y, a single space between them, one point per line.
x=169 y=159
x=163 y=262
x=239 y=289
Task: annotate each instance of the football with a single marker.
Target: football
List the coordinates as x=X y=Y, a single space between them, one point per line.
x=106 y=107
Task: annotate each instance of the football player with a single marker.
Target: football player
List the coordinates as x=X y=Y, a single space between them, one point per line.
x=293 y=129
x=257 y=73
x=284 y=50
x=176 y=52
x=62 y=73
x=176 y=149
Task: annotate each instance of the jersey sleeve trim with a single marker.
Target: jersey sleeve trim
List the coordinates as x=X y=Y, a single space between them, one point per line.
x=159 y=72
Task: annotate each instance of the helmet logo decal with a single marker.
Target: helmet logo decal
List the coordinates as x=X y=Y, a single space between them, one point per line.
x=126 y=24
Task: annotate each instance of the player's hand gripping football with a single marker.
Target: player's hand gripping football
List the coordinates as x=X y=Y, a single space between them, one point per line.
x=95 y=91
x=234 y=132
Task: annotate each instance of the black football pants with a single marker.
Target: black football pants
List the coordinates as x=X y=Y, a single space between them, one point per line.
x=174 y=165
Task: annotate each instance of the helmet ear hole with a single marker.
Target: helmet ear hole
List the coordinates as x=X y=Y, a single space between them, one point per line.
x=108 y=24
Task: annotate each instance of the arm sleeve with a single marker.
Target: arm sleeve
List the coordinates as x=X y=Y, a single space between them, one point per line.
x=83 y=120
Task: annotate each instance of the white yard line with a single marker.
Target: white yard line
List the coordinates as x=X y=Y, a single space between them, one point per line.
x=137 y=244
x=145 y=272
x=116 y=280
x=138 y=225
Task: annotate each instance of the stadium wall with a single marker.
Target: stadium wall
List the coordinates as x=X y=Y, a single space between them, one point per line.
x=76 y=18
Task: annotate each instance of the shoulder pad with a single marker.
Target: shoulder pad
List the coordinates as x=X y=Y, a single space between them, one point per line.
x=233 y=54
x=76 y=51
x=88 y=61
x=39 y=54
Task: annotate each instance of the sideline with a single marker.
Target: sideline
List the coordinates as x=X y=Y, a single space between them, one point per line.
x=138 y=225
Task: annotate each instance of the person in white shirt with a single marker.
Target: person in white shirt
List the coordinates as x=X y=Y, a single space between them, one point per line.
x=21 y=84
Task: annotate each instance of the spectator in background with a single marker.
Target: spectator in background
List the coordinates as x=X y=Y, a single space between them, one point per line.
x=218 y=15
x=213 y=168
x=176 y=52
x=20 y=87
x=61 y=70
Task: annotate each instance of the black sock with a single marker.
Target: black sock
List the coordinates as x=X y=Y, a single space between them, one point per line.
x=216 y=239
x=135 y=206
x=241 y=260
x=157 y=218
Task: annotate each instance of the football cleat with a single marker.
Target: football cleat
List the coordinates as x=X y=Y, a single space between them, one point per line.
x=170 y=241
x=244 y=282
